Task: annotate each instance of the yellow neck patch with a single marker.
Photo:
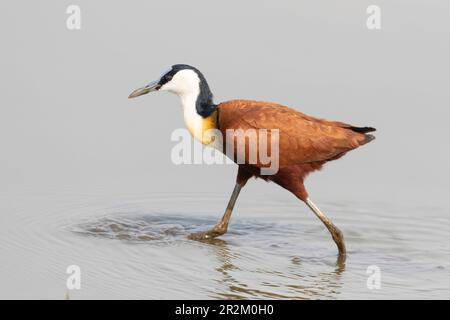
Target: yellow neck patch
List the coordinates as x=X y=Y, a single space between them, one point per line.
x=199 y=126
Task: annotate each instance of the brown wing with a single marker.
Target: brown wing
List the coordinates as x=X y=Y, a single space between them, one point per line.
x=302 y=138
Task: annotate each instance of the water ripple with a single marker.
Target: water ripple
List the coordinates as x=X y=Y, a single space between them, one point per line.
x=136 y=246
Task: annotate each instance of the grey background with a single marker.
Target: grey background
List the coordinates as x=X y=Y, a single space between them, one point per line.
x=66 y=124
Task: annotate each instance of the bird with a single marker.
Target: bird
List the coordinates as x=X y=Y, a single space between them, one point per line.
x=306 y=143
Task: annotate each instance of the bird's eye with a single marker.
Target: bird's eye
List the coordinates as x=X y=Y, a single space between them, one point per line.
x=165 y=78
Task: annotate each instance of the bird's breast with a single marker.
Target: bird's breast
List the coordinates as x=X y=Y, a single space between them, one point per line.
x=199 y=127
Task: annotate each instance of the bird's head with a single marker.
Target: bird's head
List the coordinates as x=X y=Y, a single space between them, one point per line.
x=179 y=79
x=185 y=81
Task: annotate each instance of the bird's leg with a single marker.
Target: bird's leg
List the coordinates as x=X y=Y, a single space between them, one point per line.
x=337 y=235
x=220 y=228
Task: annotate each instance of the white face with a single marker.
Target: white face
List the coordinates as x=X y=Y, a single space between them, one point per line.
x=184 y=82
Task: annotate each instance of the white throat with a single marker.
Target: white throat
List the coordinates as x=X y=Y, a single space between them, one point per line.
x=193 y=121
x=186 y=84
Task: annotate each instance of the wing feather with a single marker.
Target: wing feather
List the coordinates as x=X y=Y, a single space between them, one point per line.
x=302 y=138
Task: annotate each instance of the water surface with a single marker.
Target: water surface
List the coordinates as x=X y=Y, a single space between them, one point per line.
x=136 y=247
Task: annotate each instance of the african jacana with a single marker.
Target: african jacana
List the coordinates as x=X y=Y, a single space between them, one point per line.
x=305 y=142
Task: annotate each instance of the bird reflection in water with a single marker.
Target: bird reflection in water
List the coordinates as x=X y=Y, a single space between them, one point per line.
x=273 y=284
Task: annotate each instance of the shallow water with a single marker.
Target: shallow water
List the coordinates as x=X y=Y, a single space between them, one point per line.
x=136 y=246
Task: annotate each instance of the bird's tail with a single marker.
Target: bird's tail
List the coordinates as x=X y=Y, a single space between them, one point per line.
x=363 y=129
x=369 y=137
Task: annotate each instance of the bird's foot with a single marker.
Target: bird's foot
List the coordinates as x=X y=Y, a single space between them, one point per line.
x=209 y=234
x=338 y=238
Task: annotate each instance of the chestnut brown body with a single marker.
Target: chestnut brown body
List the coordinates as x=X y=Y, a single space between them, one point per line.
x=305 y=142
